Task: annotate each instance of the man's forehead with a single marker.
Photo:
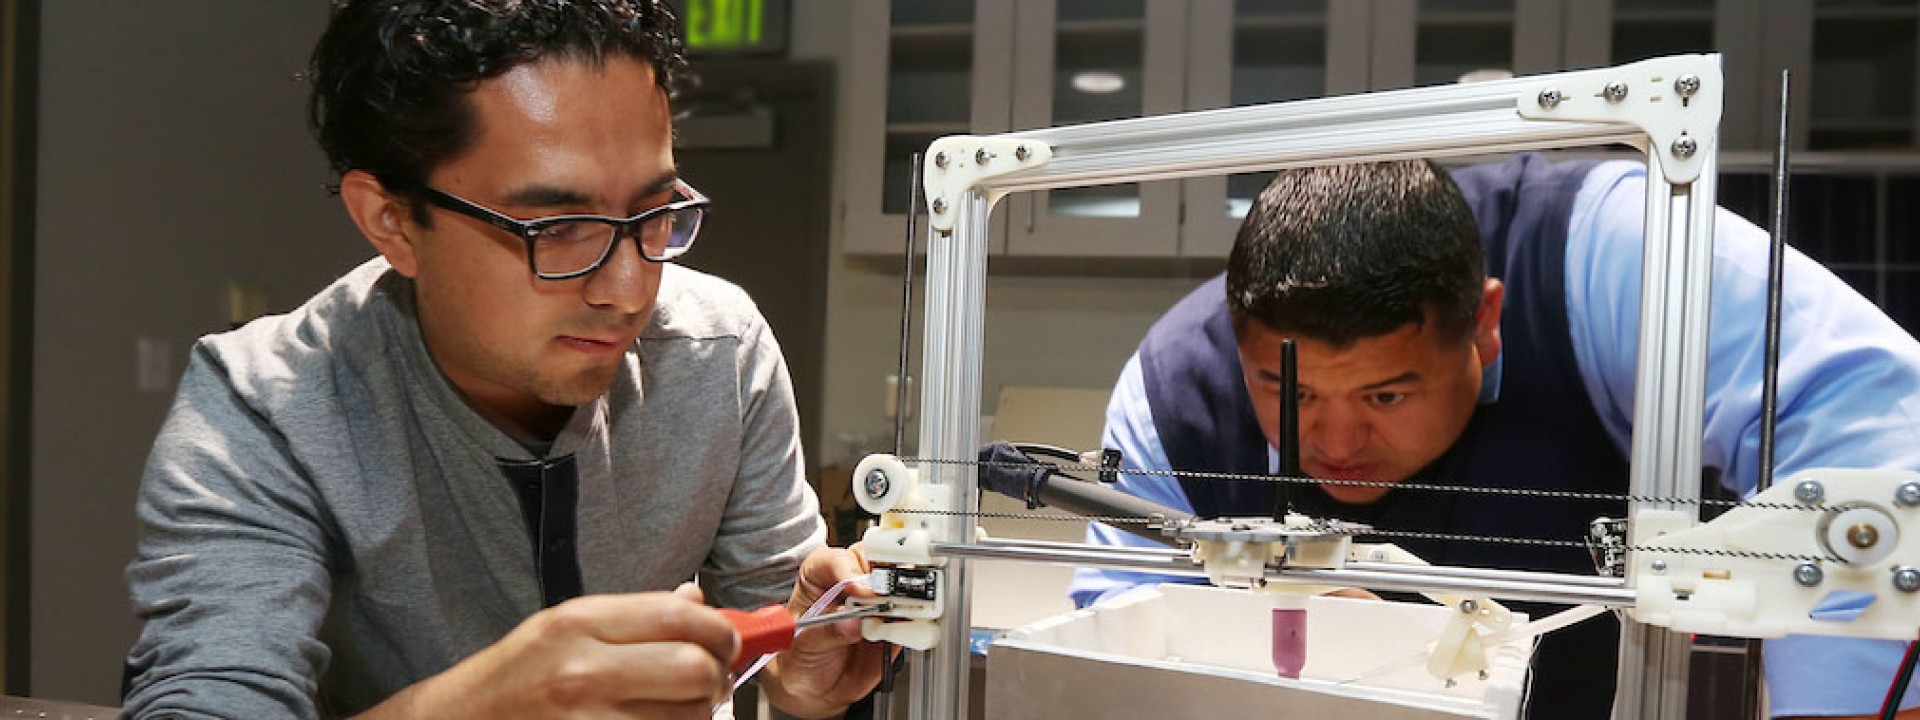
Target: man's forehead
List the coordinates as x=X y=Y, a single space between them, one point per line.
x=564 y=131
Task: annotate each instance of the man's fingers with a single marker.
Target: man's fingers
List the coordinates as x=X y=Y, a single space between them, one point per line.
x=702 y=710
x=825 y=567
x=690 y=591
x=667 y=673
x=1354 y=592
x=646 y=618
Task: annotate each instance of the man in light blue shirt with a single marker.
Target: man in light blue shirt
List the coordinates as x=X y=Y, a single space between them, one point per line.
x=1524 y=379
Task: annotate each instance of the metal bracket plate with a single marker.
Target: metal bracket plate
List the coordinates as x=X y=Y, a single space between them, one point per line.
x=957 y=163
x=1665 y=97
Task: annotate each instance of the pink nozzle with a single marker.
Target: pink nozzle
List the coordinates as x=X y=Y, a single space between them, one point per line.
x=1289 y=641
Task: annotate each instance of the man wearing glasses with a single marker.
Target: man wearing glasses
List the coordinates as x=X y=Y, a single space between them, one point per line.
x=467 y=478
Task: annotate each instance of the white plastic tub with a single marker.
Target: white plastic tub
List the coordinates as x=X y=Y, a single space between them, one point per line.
x=1185 y=651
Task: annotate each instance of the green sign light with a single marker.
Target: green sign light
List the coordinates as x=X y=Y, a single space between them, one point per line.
x=725 y=24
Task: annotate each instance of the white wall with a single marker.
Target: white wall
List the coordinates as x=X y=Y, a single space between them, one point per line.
x=173 y=158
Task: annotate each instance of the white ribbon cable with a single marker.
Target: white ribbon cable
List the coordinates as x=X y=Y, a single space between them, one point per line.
x=826 y=601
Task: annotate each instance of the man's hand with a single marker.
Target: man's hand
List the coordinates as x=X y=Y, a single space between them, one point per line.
x=828 y=666
x=651 y=655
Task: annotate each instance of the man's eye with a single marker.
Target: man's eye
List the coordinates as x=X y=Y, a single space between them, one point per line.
x=1388 y=399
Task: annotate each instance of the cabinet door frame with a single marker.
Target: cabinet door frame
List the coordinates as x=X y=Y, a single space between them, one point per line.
x=1155 y=232
x=867 y=228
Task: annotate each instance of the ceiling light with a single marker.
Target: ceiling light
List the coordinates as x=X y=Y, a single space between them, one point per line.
x=1098 y=82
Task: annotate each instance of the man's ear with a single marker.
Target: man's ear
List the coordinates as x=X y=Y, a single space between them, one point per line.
x=382 y=217
x=1486 y=321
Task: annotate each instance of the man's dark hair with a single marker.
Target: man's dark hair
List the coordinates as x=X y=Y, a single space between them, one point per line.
x=1346 y=252
x=390 y=77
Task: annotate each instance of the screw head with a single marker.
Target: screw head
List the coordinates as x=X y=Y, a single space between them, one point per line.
x=1809 y=492
x=1616 y=91
x=1021 y=153
x=1685 y=147
x=1469 y=606
x=939 y=206
x=940 y=160
x=1686 y=85
x=1657 y=566
x=1908 y=495
x=982 y=157
x=1549 y=98
x=1808 y=574
x=878 y=484
x=1906 y=579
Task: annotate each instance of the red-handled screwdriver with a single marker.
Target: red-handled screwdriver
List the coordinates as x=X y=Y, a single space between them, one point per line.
x=771 y=629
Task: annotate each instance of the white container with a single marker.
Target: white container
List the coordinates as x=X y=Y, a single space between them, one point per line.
x=1180 y=651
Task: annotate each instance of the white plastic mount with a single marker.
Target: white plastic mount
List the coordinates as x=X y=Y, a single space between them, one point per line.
x=1664 y=97
x=899 y=542
x=956 y=163
x=1864 y=525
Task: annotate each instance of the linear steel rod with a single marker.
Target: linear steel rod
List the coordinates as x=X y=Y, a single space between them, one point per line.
x=1542 y=587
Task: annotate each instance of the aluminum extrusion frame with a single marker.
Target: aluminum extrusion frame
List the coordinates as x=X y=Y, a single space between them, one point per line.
x=1669 y=108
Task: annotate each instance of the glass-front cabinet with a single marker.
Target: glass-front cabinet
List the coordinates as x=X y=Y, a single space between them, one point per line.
x=918 y=70
x=921 y=69
x=1273 y=51
x=1092 y=61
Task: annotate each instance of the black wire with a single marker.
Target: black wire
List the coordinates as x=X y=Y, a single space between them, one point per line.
x=1900 y=680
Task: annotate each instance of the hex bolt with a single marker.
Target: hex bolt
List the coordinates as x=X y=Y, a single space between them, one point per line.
x=1908 y=495
x=1616 y=91
x=877 y=484
x=982 y=157
x=1685 y=147
x=1808 y=574
x=940 y=160
x=1906 y=579
x=1550 y=98
x=1658 y=566
x=1021 y=153
x=1809 y=492
x=939 y=206
x=1686 y=85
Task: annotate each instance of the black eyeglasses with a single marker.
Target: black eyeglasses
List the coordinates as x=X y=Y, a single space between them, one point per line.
x=568 y=246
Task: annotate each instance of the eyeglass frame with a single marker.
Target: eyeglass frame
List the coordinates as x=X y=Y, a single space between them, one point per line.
x=528 y=230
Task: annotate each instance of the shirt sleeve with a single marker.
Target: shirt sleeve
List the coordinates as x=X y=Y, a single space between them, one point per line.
x=1130 y=430
x=231 y=577
x=1849 y=392
x=772 y=518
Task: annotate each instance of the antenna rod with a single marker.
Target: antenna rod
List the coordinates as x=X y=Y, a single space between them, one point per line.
x=906 y=308
x=1776 y=262
x=1289 y=427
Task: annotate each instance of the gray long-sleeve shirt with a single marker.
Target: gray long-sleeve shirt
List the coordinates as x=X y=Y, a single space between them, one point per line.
x=324 y=520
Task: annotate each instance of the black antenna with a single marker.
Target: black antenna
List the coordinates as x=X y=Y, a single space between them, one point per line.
x=1776 y=262
x=1289 y=427
x=906 y=308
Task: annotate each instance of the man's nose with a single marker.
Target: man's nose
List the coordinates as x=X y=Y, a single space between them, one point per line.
x=620 y=284
x=1336 y=430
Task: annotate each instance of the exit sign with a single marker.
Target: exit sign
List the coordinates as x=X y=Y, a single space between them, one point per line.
x=731 y=27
